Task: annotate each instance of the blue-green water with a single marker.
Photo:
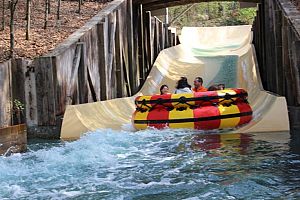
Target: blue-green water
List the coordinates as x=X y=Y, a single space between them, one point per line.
x=151 y=164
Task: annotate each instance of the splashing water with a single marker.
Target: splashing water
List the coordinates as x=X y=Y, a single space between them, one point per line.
x=152 y=164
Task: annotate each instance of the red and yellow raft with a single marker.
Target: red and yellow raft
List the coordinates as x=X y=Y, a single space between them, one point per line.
x=201 y=110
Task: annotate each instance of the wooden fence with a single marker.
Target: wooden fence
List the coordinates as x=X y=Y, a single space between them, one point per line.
x=13 y=139
x=109 y=57
x=277 y=41
x=12 y=87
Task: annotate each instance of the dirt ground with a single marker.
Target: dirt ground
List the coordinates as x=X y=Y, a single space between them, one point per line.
x=43 y=40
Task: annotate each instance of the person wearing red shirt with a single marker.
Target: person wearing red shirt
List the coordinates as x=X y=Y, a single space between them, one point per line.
x=198 y=85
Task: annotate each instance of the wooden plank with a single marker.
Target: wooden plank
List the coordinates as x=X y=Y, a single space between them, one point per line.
x=125 y=57
x=118 y=56
x=82 y=76
x=155 y=38
x=285 y=60
x=45 y=83
x=291 y=13
x=296 y=69
x=159 y=4
x=111 y=79
x=74 y=74
x=103 y=56
x=18 y=87
x=5 y=93
x=148 y=40
x=131 y=50
x=141 y=46
x=152 y=33
x=170 y=38
x=161 y=36
x=289 y=69
x=280 y=82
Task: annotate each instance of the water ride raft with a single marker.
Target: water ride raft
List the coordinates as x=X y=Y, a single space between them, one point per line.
x=209 y=110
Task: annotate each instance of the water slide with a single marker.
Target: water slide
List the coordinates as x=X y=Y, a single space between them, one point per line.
x=219 y=55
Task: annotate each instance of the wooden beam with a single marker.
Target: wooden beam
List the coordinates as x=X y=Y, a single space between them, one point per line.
x=82 y=76
x=296 y=69
x=187 y=1
x=158 y=4
x=141 y=46
x=74 y=74
x=45 y=88
x=103 y=57
x=130 y=43
x=118 y=56
x=111 y=52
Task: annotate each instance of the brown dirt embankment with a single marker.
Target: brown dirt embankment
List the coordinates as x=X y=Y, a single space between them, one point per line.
x=43 y=40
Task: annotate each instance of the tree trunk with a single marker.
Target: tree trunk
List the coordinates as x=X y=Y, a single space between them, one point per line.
x=79 y=6
x=49 y=6
x=58 y=10
x=3 y=15
x=28 y=13
x=46 y=14
x=12 y=7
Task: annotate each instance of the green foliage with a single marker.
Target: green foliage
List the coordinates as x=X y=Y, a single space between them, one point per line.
x=212 y=14
x=18 y=105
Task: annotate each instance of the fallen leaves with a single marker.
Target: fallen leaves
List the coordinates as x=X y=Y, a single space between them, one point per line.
x=42 y=41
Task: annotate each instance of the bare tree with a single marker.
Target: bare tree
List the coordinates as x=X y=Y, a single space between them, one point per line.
x=3 y=15
x=80 y=2
x=58 y=10
x=28 y=13
x=12 y=6
x=46 y=14
x=49 y=7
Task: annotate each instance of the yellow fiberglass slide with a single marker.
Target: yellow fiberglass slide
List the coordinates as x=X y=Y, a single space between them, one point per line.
x=219 y=55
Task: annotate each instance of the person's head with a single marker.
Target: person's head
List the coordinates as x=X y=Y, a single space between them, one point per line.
x=198 y=82
x=164 y=89
x=183 y=83
x=213 y=88
x=221 y=86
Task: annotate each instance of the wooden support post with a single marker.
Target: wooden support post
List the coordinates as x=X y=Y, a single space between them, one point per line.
x=125 y=57
x=262 y=66
x=45 y=88
x=141 y=46
x=155 y=38
x=161 y=36
x=118 y=57
x=169 y=38
x=152 y=45
x=296 y=69
x=74 y=74
x=5 y=93
x=82 y=76
x=111 y=79
x=103 y=57
x=280 y=83
x=18 y=87
x=148 y=40
x=131 y=58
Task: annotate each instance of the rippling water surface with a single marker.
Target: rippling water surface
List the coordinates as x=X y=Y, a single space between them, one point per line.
x=152 y=164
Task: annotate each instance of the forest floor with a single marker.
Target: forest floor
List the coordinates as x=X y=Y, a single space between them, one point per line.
x=43 y=40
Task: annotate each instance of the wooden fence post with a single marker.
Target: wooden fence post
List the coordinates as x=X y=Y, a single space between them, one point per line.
x=45 y=88
x=131 y=58
x=296 y=69
x=18 y=86
x=118 y=57
x=103 y=57
x=141 y=46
